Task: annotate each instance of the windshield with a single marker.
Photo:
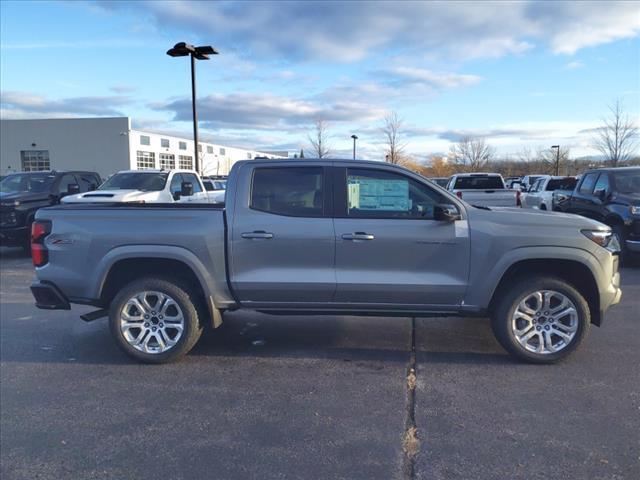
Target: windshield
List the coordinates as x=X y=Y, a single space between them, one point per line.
x=628 y=182
x=27 y=182
x=562 y=184
x=136 y=181
x=478 y=183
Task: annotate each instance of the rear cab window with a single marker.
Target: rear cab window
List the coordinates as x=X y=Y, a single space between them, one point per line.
x=289 y=191
x=479 y=182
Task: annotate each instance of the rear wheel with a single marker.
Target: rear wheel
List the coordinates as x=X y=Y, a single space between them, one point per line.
x=541 y=319
x=155 y=320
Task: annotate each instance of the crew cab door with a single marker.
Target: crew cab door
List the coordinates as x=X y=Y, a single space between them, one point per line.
x=584 y=202
x=282 y=238
x=389 y=249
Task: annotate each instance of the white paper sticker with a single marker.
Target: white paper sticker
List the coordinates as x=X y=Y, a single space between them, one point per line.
x=462 y=228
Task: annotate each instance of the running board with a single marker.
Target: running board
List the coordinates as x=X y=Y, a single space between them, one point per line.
x=90 y=317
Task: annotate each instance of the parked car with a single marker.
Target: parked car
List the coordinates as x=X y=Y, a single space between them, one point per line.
x=147 y=186
x=22 y=194
x=540 y=195
x=485 y=189
x=514 y=184
x=610 y=196
x=440 y=181
x=215 y=190
x=384 y=241
x=528 y=181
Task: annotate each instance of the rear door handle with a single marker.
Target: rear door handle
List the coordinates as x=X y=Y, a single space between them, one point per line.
x=257 y=234
x=358 y=236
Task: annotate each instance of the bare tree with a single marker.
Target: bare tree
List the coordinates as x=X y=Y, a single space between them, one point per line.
x=391 y=130
x=548 y=157
x=473 y=153
x=319 y=139
x=616 y=138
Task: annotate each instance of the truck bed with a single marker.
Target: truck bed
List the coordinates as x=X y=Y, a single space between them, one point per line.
x=87 y=238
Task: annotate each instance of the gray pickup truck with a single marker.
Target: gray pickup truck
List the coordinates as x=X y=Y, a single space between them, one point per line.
x=325 y=237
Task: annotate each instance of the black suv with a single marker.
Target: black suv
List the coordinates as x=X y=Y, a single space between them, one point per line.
x=22 y=194
x=611 y=196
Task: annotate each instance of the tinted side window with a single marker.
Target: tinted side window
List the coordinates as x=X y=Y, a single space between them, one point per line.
x=87 y=182
x=382 y=194
x=208 y=185
x=176 y=183
x=65 y=181
x=589 y=180
x=293 y=191
x=190 y=177
x=602 y=183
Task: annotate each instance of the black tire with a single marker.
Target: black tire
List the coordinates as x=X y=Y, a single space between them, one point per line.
x=543 y=207
x=510 y=298
x=188 y=303
x=618 y=231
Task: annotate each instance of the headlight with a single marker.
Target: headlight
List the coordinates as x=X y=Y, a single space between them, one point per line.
x=604 y=238
x=635 y=210
x=14 y=203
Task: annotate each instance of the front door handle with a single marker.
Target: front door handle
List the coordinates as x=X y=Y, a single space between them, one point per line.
x=358 y=236
x=257 y=234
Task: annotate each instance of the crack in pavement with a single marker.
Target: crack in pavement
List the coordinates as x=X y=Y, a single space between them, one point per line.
x=410 y=441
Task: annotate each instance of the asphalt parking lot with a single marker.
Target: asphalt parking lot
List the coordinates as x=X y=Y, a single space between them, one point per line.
x=312 y=397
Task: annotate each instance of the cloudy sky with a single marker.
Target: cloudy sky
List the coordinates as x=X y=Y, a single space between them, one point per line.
x=520 y=73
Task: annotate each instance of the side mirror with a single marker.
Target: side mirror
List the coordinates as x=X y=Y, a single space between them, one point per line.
x=601 y=193
x=446 y=213
x=186 y=189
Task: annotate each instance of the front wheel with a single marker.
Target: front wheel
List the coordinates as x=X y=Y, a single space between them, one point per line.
x=155 y=320
x=541 y=319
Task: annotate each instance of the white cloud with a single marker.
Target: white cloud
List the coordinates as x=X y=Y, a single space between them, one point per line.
x=436 y=79
x=351 y=31
x=573 y=65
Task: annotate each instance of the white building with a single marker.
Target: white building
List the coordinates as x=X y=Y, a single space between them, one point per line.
x=105 y=145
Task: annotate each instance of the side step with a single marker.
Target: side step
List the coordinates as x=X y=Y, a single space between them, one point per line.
x=90 y=317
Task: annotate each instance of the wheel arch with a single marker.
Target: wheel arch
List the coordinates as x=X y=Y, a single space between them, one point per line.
x=573 y=272
x=118 y=270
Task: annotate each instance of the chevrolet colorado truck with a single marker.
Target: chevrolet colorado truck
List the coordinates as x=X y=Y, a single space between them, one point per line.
x=325 y=237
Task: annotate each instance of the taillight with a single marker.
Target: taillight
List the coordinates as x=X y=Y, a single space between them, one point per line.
x=459 y=194
x=39 y=253
x=518 y=199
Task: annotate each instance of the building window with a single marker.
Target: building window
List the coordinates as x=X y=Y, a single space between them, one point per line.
x=199 y=147
x=185 y=162
x=222 y=151
x=145 y=140
x=249 y=156
x=209 y=149
x=182 y=145
x=164 y=142
x=146 y=160
x=167 y=161
x=35 y=160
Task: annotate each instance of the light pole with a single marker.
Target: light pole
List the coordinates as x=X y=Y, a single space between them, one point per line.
x=183 y=49
x=557 y=147
x=355 y=137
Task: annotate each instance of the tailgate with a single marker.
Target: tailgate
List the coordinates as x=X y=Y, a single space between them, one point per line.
x=490 y=198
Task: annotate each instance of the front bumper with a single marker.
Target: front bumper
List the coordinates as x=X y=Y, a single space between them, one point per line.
x=49 y=297
x=14 y=236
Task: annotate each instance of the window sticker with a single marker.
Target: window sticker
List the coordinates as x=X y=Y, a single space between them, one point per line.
x=378 y=194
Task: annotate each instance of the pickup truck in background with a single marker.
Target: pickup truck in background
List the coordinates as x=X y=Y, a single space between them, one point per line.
x=484 y=189
x=610 y=196
x=22 y=194
x=147 y=186
x=325 y=237
x=540 y=195
x=215 y=189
